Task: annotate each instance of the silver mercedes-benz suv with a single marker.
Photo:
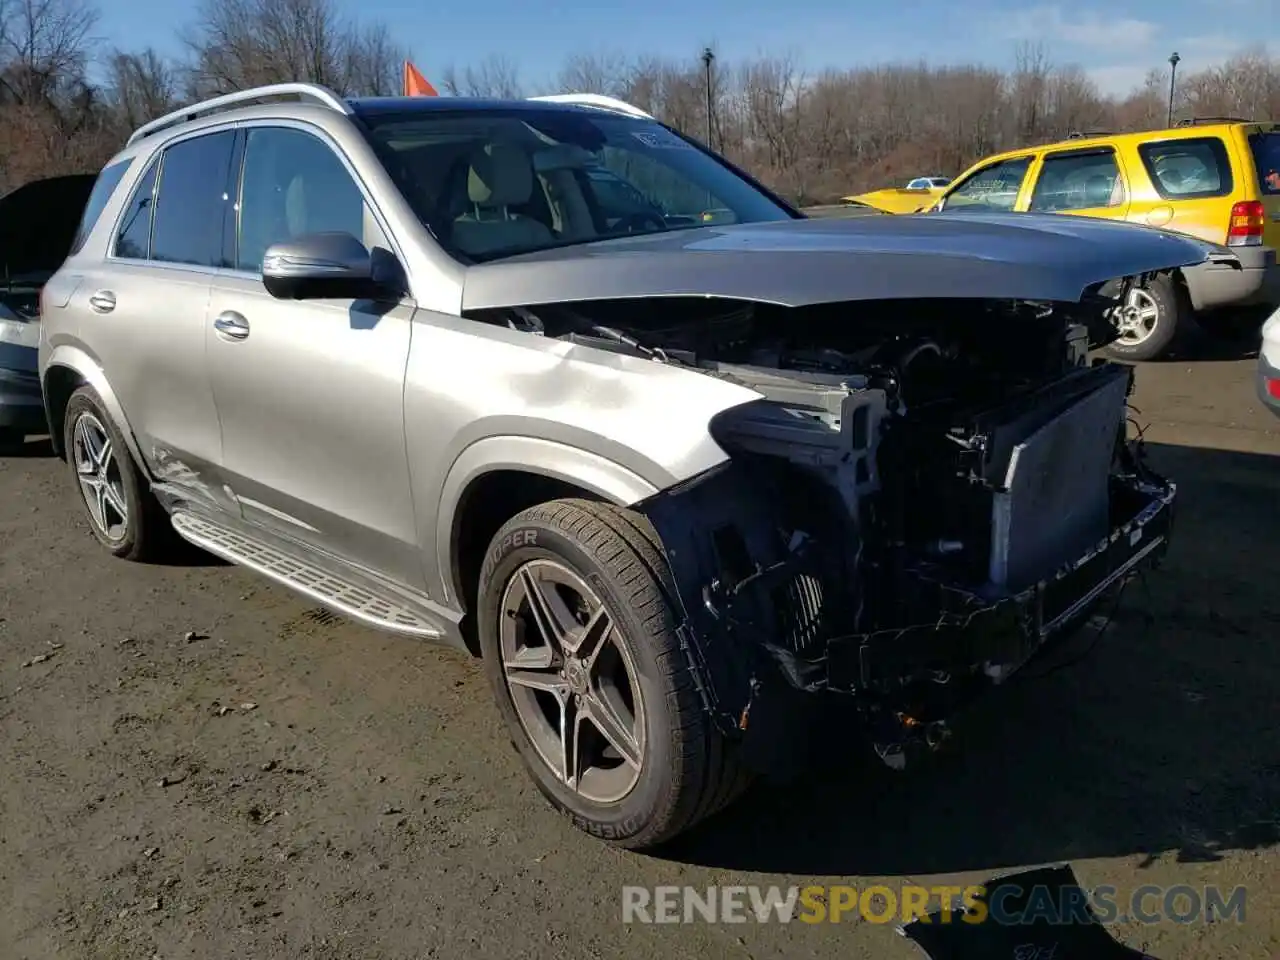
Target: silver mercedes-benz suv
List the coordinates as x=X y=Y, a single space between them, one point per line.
x=551 y=382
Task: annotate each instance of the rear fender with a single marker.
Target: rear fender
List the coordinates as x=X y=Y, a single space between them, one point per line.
x=87 y=369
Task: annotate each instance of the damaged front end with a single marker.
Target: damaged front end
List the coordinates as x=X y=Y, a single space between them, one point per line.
x=905 y=518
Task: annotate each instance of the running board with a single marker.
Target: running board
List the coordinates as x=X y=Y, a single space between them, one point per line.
x=357 y=602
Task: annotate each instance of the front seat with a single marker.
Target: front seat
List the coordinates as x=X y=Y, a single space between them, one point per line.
x=500 y=177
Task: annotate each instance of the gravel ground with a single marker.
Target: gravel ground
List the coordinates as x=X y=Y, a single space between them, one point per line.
x=199 y=765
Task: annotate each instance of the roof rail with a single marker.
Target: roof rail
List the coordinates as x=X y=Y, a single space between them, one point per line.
x=597 y=100
x=1085 y=134
x=305 y=91
x=1197 y=121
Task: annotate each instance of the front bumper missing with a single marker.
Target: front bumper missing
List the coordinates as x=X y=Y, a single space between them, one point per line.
x=778 y=638
x=1000 y=634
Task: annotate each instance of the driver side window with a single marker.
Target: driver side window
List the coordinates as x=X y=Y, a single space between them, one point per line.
x=994 y=187
x=294 y=184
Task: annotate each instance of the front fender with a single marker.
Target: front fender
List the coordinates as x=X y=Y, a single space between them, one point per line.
x=80 y=363
x=548 y=458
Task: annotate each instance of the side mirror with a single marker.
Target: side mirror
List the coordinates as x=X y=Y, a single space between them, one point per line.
x=323 y=266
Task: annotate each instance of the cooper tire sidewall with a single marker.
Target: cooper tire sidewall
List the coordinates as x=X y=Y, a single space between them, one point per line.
x=627 y=817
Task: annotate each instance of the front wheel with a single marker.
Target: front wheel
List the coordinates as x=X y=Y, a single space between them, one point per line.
x=578 y=635
x=1149 y=320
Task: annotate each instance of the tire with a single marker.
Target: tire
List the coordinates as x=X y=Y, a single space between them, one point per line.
x=1171 y=311
x=136 y=526
x=687 y=770
x=11 y=438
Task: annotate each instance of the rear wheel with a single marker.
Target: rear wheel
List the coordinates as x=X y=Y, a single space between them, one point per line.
x=579 y=641
x=123 y=515
x=1149 y=320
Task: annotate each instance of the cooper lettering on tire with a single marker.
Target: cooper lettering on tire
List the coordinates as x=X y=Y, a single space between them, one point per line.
x=580 y=648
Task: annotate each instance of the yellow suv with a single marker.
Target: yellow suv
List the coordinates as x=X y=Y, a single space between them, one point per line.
x=1216 y=179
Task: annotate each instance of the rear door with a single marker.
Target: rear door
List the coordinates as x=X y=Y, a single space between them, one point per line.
x=1192 y=186
x=143 y=310
x=1085 y=182
x=1264 y=146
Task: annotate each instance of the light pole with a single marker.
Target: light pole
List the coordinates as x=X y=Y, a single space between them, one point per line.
x=1173 y=75
x=707 y=57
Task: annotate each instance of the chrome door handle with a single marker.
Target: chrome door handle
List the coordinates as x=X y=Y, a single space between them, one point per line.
x=231 y=326
x=104 y=301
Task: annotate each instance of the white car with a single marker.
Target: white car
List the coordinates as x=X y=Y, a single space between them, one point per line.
x=929 y=183
x=1269 y=364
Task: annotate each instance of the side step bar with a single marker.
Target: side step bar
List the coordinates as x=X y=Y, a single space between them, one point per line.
x=354 y=601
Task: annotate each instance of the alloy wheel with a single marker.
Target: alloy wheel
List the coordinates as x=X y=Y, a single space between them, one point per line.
x=572 y=681
x=1138 y=317
x=98 y=472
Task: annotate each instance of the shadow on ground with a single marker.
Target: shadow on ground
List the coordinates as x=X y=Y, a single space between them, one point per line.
x=1160 y=742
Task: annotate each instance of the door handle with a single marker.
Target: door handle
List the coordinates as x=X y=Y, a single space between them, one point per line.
x=104 y=301
x=231 y=326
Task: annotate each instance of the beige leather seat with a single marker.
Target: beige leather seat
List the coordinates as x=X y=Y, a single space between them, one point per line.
x=501 y=176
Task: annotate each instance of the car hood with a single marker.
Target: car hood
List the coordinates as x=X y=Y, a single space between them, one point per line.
x=812 y=261
x=38 y=222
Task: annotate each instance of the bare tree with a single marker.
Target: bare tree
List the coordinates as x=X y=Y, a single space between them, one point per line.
x=495 y=76
x=244 y=43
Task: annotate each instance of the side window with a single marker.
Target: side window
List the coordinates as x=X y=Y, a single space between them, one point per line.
x=103 y=188
x=190 y=201
x=1078 y=181
x=1188 y=169
x=991 y=188
x=294 y=184
x=133 y=239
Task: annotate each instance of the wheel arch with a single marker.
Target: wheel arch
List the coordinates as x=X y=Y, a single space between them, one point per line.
x=68 y=369
x=493 y=480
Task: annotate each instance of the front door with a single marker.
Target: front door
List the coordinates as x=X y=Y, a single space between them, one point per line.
x=310 y=393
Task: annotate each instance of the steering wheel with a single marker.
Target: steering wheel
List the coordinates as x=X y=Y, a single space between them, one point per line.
x=635 y=222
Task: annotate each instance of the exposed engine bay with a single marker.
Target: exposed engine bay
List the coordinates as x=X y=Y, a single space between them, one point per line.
x=926 y=493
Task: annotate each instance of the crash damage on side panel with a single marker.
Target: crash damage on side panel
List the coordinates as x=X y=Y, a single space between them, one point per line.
x=925 y=494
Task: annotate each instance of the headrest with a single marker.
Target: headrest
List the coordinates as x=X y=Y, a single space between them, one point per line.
x=501 y=175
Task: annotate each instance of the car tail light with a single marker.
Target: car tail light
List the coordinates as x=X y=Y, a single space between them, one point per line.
x=1273 y=387
x=1247 y=219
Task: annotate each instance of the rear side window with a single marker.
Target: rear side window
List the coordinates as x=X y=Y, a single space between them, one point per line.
x=133 y=239
x=1188 y=169
x=191 y=200
x=1078 y=180
x=103 y=188
x=1266 y=160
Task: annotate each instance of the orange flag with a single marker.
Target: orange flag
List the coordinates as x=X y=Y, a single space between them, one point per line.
x=415 y=84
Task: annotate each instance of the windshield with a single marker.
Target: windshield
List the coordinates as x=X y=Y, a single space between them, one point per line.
x=492 y=183
x=1266 y=158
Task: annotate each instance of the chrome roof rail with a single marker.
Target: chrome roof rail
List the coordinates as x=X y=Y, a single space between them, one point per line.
x=597 y=100
x=304 y=91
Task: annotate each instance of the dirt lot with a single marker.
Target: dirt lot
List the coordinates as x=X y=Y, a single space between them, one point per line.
x=206 y=767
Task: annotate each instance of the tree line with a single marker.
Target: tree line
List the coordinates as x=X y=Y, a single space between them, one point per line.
x=65 y=106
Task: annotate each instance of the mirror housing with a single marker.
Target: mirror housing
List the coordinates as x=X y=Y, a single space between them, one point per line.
x=321 y=266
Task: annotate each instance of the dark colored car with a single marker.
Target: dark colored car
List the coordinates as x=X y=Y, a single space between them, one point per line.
x=38 y=224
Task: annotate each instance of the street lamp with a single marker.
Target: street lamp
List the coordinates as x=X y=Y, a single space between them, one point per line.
x=707 y=57
x=1173 y=74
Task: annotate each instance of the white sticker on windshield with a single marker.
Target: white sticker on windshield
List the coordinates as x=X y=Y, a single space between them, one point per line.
x=662 y=141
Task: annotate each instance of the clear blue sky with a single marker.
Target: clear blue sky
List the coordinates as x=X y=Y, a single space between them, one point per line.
x=1117 y=42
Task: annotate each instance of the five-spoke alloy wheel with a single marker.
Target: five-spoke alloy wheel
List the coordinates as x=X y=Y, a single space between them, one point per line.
x=573 y=685
x=123 y=515
x=578 y=634
x=94 y=457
